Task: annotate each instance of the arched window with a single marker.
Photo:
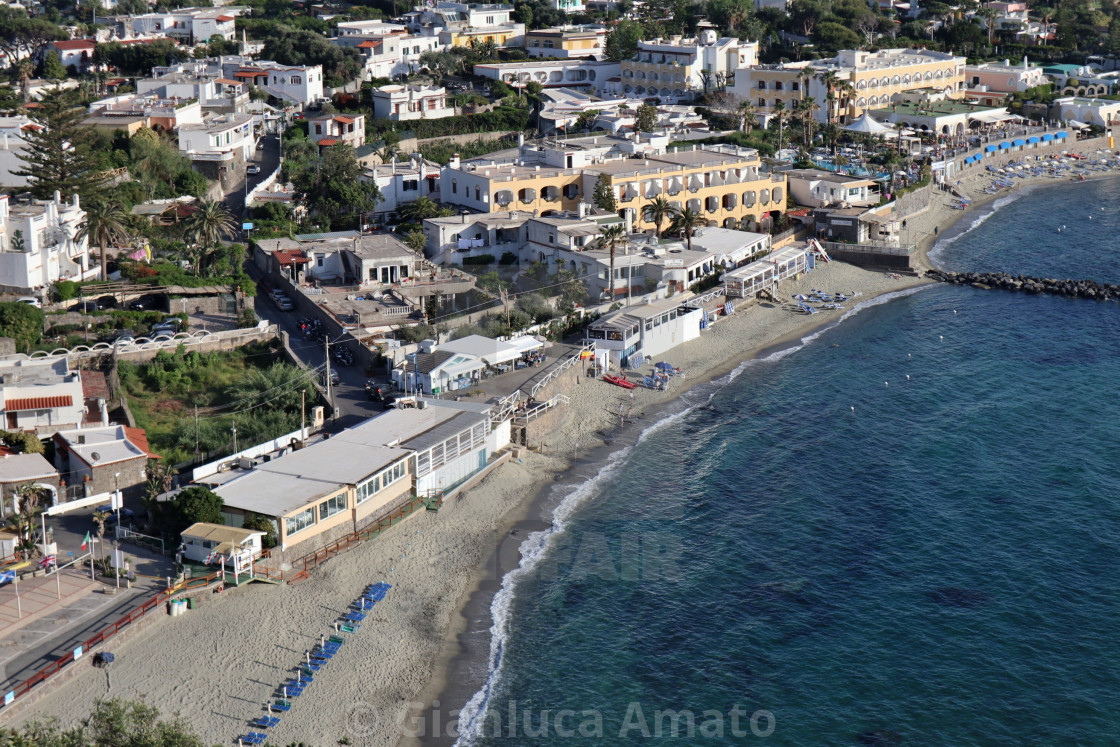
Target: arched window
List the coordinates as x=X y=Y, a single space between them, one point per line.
x=454 y=186
x=478 y=192
x=777 y=85
x=861 y=103
x=862 y=85
x=762 y=85
x=761 y=101
x=795 y=86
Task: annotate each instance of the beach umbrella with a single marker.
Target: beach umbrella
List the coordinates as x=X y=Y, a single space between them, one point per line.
x=663 y=366
x=800 y=297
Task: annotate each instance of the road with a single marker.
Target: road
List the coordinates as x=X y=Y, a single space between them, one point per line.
x=268 y=158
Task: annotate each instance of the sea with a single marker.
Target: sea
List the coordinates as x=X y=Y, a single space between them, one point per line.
x=904 y=530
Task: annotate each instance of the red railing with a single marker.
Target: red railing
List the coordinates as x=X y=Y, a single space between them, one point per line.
x=313 y=559
x=111 y=630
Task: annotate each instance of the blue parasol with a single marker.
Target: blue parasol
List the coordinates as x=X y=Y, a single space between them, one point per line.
x=663 y=366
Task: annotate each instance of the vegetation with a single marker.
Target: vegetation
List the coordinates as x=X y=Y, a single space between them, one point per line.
x=113 y=722
x=22 y=322
x=104 y=224
x=328 y=184
x=603 y=195
x=252 y=389
x=192 y=505
x=441 y=152
x=290 y=46
x=59 y=156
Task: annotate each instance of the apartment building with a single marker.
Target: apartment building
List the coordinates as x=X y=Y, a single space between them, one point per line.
x=338 y=129
x=228 y=137
x=189 y=25
x=864 y=81
x=403 y=103
x=401 y=182
x=585 y=73
x=1004 y=77
x=570 y=6
x=299 y=84
x=675 y=69
x=144 y=110
x=469 y=24
x=566 y=42
x=391 y=54
x=39 y=244
x=196 y=80
x=41 y=396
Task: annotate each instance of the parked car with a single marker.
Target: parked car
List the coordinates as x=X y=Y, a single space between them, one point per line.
x=147 y=302
x=335 y=378
x=106 y=302
x=124 y=340
x=170 y=325
x=30 y=301
x=252 y=169
x=126 y=513
x=86 y=306
x=284 y=304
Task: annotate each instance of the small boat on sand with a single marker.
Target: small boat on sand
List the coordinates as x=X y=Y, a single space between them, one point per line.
x=621 y=381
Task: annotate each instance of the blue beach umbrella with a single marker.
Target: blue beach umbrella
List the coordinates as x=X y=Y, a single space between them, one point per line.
x=663 y=366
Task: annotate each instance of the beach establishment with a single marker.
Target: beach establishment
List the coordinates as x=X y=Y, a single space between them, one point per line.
x=645 y=330
x=766 y=274
x=339 y=485
x=203 y=541
x=460 y=364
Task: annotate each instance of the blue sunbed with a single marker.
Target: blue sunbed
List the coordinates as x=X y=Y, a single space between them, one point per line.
x=254 y=737
x=267 y=722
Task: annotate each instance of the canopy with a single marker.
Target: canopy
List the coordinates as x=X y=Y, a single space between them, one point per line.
x=1033 y=139
x=1062 y=134
x=991 y=148
x=1078 y=125
x=1004 y=145
x=970 y=159
x=1018 y=141
x=865 y=123
x=1047 y=137
x=663 y=366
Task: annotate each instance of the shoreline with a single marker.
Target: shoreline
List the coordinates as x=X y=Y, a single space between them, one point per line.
x=472 y=628
x=431 y=637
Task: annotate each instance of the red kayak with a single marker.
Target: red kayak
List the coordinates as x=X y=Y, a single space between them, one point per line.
x=621 y=381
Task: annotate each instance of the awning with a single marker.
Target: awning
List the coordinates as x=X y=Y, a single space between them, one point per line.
x=1078 y=125
x=694 y=204
x=1062 y=134
x=992 y=148
x=970 y=159
x=1047 y=137
x=503 y=197
x=1033 y=139
x=695 y=183
x=528 y=195
x=654 y=188
x=1005 y=145
x=631 y=191
x=1018 y=142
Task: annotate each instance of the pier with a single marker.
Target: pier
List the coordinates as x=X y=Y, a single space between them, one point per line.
x=1088 y=289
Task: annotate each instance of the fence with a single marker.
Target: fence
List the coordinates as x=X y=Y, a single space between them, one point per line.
x=143 y=347
x=111 y=630
x=870 y=247
x=556 y=370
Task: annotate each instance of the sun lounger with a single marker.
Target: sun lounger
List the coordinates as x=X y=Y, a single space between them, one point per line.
x=282 y=705
x=253 y=737
x=267 y=722
x=350 y=628
x=354 y=616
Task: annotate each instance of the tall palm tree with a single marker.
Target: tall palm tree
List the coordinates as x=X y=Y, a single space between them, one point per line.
x=688 y=221
x=657 y=210
x=105 y=223
x=805 y=75
x=808 y=109
x=611 y=237
x=989 y=14
x=747 y=113
x=845 y=92
x=206 y=227
x=783 y=116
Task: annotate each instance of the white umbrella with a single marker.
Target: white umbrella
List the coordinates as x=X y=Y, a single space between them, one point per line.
x=865 y=123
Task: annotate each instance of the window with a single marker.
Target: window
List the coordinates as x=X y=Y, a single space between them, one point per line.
x=477 y=192
x=411 y=185
x=762 y=85
x=761 y=101
x=299 y=522
x=296 y=79
x=318 y=261
x=454 y=187
x=332 y=506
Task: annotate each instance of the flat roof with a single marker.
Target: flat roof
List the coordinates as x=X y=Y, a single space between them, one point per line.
x=20 y=467
x=490 y=350
x=700 y=157
x=725 y=240
x=219 y=532
x=283 y=485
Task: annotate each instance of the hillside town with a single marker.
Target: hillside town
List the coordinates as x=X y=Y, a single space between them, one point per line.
x=277 y=275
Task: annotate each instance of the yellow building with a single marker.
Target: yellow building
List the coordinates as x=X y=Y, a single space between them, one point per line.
x=863 y=81
x=576 y=41
x=500 y=36
x=726 y=184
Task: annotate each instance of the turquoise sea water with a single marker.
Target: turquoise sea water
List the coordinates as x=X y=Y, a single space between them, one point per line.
x=904 y=532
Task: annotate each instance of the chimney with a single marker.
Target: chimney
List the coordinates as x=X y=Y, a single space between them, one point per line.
x=453 y=163
x=81 y=438
x=582 y=209
x=520 y=139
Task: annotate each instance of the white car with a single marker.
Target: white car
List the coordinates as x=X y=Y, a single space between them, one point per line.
x=253 y=169
x=30 y=301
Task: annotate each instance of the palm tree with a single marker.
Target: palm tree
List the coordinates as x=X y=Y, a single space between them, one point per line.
x=104 y=224
x=25 y=70
x=829 y=79
x=611 y=237
x=989 y=14
x=206 y=227
x=747 y=113
x=418 y=210
x=805 y=75
x=386 y=152
x=687 y=222
x=658 y=210
x=783 y=116
x=807 y=110
x=845 y=93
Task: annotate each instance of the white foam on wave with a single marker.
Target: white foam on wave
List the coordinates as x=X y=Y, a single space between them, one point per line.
x=472 y=718
x=942 y=244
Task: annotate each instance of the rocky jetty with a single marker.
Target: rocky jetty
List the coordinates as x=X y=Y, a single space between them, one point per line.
x=1025 y=284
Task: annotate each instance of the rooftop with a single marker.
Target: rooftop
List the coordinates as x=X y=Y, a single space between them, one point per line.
x=101 y=446
x=25 y=467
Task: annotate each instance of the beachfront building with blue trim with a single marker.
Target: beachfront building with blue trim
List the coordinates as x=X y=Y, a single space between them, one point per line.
x=647 y=330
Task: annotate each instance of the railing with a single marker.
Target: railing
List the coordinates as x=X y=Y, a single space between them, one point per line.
x=557 y=369
x=538 y=410
x=697 y=302
x=507 y=404
x=870 y=248
x=111 y=630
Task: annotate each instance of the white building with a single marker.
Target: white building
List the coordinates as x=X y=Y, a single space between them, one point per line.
x=338 y=129
x=229 y=136
x=203 y=541
x=766 y=274
x=469 y=24
x=195 y=80
x=402 y=182
x=411 y=102
x=391 y=52
x=189 y=25
x=11 y=147
x=573 y=73
x=675 y=69
x=299 y=84
x=363 y=29
x=818 y=188
x=451 y=239
x=1003 y=77
x=41 y=396
x=39 y=244
x=648 y=329
x=1088 y=111
x=76 y=52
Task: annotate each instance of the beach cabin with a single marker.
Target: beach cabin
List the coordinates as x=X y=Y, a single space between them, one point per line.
x=647 y=330
x=766 y=274
x=204 y=542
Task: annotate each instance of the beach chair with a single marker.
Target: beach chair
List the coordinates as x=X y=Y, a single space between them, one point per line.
x=350 y=628
x=267 y=722
x=282 y=705
x=354 y=617
x=253 y=737
x=335 y=639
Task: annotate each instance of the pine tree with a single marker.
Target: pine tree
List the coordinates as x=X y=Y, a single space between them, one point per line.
x=603 y=196
x=52 y=67
x=59 y=156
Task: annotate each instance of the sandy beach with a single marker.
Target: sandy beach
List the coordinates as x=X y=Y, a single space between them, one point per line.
x=218 y=664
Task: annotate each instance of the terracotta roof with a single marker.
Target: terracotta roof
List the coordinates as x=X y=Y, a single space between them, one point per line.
x=329 y=141
x=229 y=82
x=291 y=256
x=243 y=73
x=39 y=403
x=70 y=44
x=224 y=19
x=344 y=120
x=94 y=385
x=116 y=81
x=367 y=44
x=139 y=438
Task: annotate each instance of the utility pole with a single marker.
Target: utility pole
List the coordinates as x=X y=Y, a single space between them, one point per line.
x=330 y=387
x=196 y=430
x=505 y=303
x=234 y=430
x=303 y=415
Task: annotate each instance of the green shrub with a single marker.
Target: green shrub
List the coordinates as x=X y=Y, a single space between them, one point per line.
x=508 y=258
x=64 y=290
x=481 y=259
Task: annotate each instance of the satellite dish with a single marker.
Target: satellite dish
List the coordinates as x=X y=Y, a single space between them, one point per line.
x=95 y=456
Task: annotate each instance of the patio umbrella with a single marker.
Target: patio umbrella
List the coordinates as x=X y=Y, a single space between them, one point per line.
x=866 y=124
x=663 y=366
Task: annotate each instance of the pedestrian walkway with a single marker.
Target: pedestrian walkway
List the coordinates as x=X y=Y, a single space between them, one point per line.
x=39 y=596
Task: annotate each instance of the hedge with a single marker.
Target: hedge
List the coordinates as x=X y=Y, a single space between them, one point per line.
x=481 y=259
x=502 y=118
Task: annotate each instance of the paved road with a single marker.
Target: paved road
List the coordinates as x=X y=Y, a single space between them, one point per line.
x=268 y=158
